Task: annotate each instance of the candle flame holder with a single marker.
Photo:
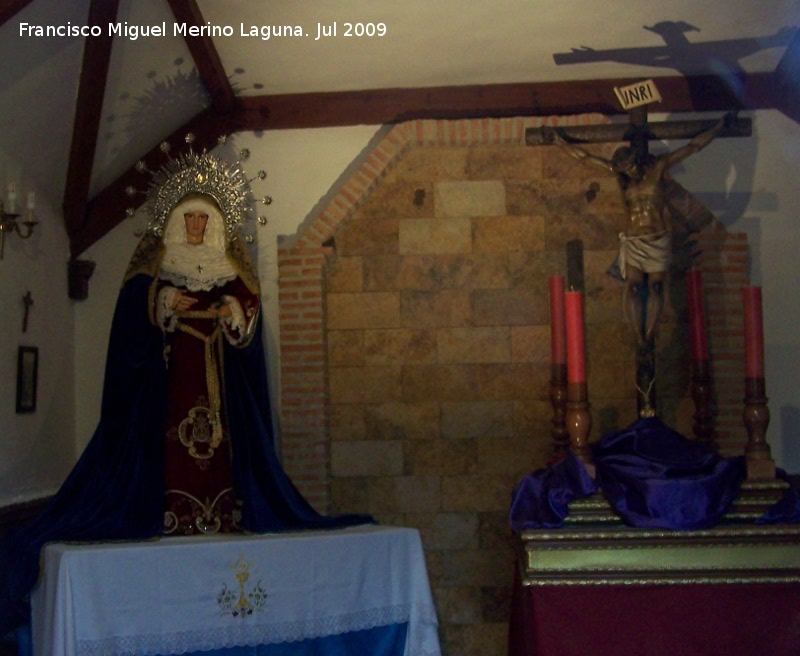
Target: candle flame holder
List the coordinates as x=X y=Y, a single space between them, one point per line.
x=558 y=399
x=9 y=224
x=760 y=465
x=701 y=392
x=579 y=423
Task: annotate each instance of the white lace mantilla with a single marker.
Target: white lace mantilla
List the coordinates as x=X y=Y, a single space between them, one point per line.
x=198 y=267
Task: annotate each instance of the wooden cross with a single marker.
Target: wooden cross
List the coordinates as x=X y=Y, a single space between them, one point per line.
x=638 y=131
x=27 y=300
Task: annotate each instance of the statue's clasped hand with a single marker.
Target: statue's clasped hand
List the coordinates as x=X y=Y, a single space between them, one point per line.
x=223 y=310
x=182 y=302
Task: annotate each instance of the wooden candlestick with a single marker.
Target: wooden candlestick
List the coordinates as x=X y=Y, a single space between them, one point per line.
x=579 y=423
x=701 y=395
x=558 y=399
x=558 y=368
x=578 y=419
x=760 y=465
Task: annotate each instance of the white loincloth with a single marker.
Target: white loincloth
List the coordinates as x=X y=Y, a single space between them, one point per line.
x=647 y=253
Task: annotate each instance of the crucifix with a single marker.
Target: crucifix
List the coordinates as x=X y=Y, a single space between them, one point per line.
x=27 y=301
x=645 y=246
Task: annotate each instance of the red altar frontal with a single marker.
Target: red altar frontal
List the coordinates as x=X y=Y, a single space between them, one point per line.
x=729 y=590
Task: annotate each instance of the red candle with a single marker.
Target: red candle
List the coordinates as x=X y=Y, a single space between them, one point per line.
x=558 y=346
x=576 y=354
x=697 y=319
x=753 y=333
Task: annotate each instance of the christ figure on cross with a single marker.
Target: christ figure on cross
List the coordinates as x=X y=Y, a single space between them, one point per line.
x=646 y=245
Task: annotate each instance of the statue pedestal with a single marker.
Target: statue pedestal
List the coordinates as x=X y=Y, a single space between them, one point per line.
x=621 y=555
x=755 y=498
x=611 y=592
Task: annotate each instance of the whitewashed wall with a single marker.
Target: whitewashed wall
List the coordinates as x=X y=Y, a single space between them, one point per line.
x=36 y=449
x=37 y=93
x=750 y=184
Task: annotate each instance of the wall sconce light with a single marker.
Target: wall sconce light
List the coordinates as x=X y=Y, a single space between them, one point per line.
x=8 y=218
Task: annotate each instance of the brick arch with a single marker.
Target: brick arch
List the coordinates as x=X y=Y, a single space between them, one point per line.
x=302 y=267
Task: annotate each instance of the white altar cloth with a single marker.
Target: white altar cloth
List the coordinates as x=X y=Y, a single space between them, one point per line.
x=182 y=594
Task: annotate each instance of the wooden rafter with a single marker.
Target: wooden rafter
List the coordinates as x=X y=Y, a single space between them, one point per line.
x=110 y=206
x=681 y=94
x=205 y=56
x=91 y=88
x=9 y=8
x=385 y=106
x=84 y=220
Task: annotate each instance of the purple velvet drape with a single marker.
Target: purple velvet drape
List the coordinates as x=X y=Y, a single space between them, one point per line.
x=651 y=475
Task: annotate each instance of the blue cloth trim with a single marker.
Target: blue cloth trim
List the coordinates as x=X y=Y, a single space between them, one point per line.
x=379 y=641
x=389 y=640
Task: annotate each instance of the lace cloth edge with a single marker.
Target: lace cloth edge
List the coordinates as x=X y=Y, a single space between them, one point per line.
x=248 y=636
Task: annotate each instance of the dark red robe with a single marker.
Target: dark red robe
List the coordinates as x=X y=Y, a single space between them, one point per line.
x=199 y=485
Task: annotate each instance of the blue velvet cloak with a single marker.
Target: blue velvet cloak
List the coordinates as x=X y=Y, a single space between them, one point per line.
x=116 y=490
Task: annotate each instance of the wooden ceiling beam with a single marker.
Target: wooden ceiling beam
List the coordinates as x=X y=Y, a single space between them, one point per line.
x=9 y=8
x=205 y=56
x=381 y=106
x=110 y=207
x=91 y=89
x=386 y=106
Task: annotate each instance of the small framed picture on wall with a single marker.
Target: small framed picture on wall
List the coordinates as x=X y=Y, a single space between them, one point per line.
x=27 y=378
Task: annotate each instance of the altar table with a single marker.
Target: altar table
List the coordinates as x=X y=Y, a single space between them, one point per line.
x=615 y=590
x=656 y=620
x=310 y=592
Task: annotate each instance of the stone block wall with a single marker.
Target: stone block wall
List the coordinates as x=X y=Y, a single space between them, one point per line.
x=415 y=342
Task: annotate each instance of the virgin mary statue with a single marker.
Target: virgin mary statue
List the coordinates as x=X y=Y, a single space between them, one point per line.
x=185 y=443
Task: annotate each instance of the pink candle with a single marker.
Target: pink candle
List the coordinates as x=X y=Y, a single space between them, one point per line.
x=576 y=354
x=753 y=333
x=697 y=320
x=558 y=346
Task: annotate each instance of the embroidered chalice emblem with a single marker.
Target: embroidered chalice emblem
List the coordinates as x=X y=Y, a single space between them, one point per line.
x=239 y=602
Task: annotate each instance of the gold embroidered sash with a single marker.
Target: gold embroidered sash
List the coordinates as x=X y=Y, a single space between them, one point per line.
x=212 y=372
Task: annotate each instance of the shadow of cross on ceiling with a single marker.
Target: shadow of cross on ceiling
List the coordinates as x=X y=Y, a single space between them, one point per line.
x=718 y=58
